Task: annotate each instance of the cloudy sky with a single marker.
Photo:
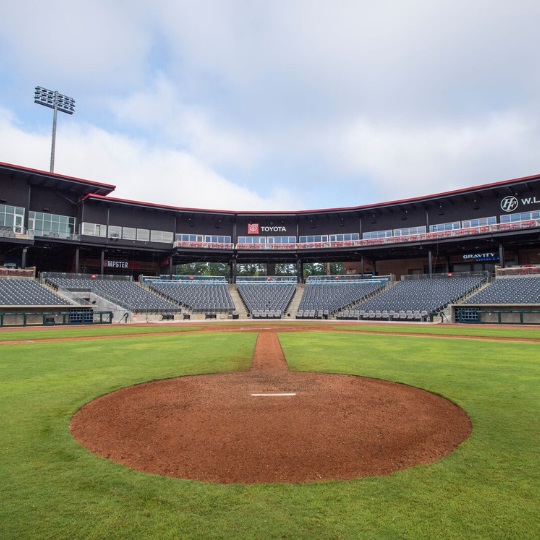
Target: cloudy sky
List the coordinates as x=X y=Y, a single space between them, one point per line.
x=281 y=104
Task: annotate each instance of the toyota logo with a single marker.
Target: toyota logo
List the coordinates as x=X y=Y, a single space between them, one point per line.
x=509 y=204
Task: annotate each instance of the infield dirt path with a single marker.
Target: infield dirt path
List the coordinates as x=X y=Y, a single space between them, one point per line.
x=271 y=425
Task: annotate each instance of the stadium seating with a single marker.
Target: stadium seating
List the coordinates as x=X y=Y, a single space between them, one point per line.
x=197 y=296
x=509 y=290
x=415 y=299
x=267 y=300
x=126 y=294
x=27 y=292
x=322 y=299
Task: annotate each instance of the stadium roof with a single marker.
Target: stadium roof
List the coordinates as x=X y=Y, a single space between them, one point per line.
x=90 y=190
x=505 y=187
x=57 y=181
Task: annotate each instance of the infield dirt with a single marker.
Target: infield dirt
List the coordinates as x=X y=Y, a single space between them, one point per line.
x=270 y=425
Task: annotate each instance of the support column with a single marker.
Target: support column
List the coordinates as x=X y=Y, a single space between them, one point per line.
x=26 y=212
x=501 y=255
x=77 y=260
x=23 y=259
x=362 y=267
x=171 y=267
x=233 y=270
x=300 y=271
x=430 y=263
x=102 y=268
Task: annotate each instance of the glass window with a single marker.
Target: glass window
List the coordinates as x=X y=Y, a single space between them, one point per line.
x=441 y=227
x=143 y=235
x=8 y=214
x=115 y=231
x=520 y=216
x=164 y=237
x=313 y=239
x=189 y=237
x=215 y=239
x=252 y=240
x=129 y=233
x=93 y=229
x=281 y=239
x=344 y=237
x=51 y=224
x=479 y=222
x=377 y=234
x=410 y=231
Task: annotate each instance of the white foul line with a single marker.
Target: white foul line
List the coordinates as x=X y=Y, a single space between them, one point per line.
x=274 y=395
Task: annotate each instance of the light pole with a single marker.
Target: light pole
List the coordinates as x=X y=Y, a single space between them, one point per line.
x=58 y=102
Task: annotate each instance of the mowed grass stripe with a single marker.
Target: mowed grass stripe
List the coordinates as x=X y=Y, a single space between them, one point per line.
x=73 y=332
x=463 y=330
x=497 y=383
x=53 y=488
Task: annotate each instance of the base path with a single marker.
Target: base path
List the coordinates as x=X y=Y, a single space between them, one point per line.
x=271 y=425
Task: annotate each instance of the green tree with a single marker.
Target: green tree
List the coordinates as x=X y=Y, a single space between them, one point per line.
x=251 y=269
x=285 y=269
x=202 y=269
x=323 y=269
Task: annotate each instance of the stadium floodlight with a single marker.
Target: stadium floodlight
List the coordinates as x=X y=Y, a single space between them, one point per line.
x=58 y=102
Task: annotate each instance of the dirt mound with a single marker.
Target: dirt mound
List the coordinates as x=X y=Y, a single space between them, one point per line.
x=270 y=425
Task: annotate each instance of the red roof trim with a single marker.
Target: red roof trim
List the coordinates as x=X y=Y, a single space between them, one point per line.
x=317 y=211
x=56 y=175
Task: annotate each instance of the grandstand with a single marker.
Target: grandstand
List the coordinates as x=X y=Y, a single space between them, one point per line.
x=200 y=295
x=122 y=292
x=74 y=227
x=27 y=292
x=324 y=296
x=416 y=299
x=509 y=290
x=266 y=298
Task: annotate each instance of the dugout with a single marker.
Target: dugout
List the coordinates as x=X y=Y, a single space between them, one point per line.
x=496 y=314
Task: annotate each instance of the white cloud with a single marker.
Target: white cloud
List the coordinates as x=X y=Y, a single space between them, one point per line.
x=159 y=109
x=281 y=58
x=92 y=43
x=140 y=172
x=419 y=160
x=342 y=101
x=22 y=148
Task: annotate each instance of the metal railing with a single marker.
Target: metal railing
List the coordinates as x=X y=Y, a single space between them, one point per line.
x=96 y=277
x=437 y=235
x=518 y=271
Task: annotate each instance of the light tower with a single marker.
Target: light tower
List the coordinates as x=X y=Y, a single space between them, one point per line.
x=58 y=102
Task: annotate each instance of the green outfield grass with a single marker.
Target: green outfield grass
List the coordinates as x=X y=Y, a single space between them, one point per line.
x=472 y=330
x=53 y=488
x=59 y=332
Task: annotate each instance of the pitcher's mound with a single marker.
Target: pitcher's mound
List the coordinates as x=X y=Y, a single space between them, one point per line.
x=261 y=426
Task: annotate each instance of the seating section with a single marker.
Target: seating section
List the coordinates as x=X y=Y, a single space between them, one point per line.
x=323 y=299
x=197 y=296
x=267 y=300
x=127 y=294
x=414 y=300
x=27 y=292
x=509 y=290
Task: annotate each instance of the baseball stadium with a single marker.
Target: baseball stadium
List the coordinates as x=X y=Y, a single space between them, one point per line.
x=392 y=393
